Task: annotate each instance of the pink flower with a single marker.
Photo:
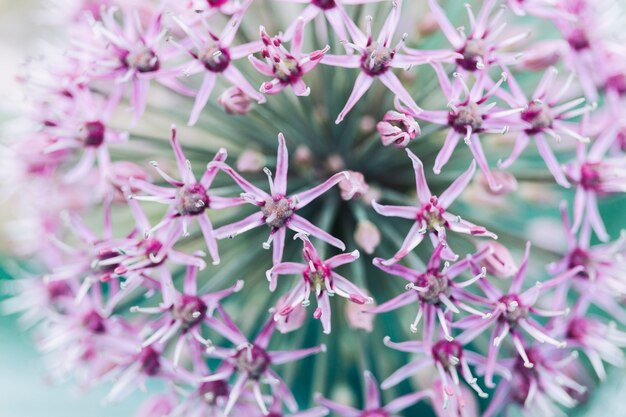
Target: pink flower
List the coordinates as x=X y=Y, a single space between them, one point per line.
x=595 y=175
x=397 y=129
x=130 y=53
x=373 y=406
x=536 y=389
x=511 y=313
x=430 y=216
x=276 y=209
x=600 y=281
x=251 y=363
x=482 y=47
x=84 y=127
x=289 y=322
x=320 y=277
x=213 y=55
x=543 y=115
x=435 y=292
x=448 y=357
x=286 y=67
x=189 y=199
x=469 y=116
x=235 y=101
x=182 y=313
x=375 y=60
x=158 y=406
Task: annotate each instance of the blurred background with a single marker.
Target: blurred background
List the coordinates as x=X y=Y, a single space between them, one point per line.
x=25 y=390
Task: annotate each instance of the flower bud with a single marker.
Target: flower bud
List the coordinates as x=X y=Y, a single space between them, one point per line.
x=367 y=236
x=158 y=406
x=499 y=263
x=358 y=317
x=235 y=101
x=505 y=179
x=428 y=25
x=353 y=187
x=398 y=129
x=250 y=161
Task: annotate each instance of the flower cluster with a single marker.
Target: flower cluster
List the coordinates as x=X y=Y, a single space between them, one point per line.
x=151 y=253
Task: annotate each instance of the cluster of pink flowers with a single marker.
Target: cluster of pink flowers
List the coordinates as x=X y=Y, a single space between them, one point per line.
x=125 y=303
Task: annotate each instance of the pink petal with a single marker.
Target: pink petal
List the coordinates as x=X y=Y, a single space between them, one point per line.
x=404 y=212
x=241 y=182
x=343 y=61
x=372 y=393
x=202 y=97
x=423 y=192
x=553 y=165
x=457 y=187
x=278 y=244
x=233 y=75
x=282 y=166
x=281 y=357
x=361 y=85
x=446 y=27
x=393 y=83
x=446 y=151
x=405 y=372
x=233 y=229
x=341 y=259
x=209 y=238
x=300 y=224
x=305 y=197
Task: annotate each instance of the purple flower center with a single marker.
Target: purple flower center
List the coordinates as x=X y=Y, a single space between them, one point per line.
x=617 y=83
x=216 y=3
x=143 y=59
x=376 y=59
x=324 y=4
x=578 y=40
x=435 y=285
x=277 y=211
x=472 y=52
x=192 y=200
x=577 y=328
x=57 y=289
x=93 y=134
x=538 y=116
x=150 y=361
x=214 y=58
x=94 y=322
x=579 y=257
x=191 y=311
x=253 y=360
x=590 y=176
x=513 y=309
x=447 y=353
x=152 y=247
x=464 y=117
x=287 y=69
x=431 y=213
x=212 y=390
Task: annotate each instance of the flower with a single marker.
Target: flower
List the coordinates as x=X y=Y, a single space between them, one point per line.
x=594 y=176
x=287 y=67
x=398 y=129
x=251 y=362
x=481 y=48
x=448 y=357
x=375 y=60
x=511 y=314
x=543 y=115
x=189 y=199
x=213 y=55
x=434 y=290
x=277 y=210
x=373 y=406
x=539 y=387
x=430 y=214
x=320 y=276
x=468 y=117
x=182 y=313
